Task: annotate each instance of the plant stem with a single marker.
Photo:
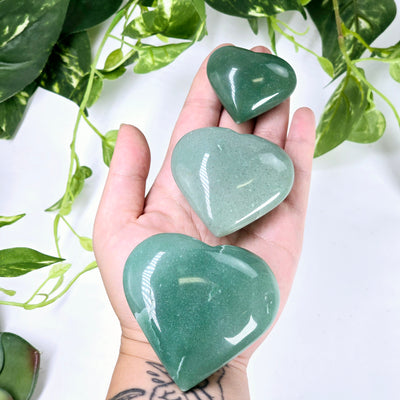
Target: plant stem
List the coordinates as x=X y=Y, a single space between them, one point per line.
x=81 y=113
x=102 y=137
x=275 y=24
x=70 y=227
x=46 y=302
x=55 y=232
x=350 y=63
x=89 y=267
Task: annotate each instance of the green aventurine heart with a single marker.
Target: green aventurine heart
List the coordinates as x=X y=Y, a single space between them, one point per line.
x=199 y=306
x=248 y=83
x=230 y=179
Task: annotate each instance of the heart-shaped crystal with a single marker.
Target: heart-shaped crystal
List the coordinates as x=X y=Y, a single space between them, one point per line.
x=249 y=83
x=199 y=306
x=230 y=179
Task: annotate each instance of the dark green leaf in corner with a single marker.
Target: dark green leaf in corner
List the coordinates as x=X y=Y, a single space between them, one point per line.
x=108 y=144
x=67 y=67
x=19 y=367
x=255 y=8
x=12 y=111
x=368 y=18
x=341 y=114
x=83 y=14
x=152 y=58
x=18 y=261
x=10 y=220
x=29 y=30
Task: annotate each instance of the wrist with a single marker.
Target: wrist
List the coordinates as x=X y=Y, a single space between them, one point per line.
x=139 y=372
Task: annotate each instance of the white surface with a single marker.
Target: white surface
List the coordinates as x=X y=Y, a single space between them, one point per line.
x=338 y=337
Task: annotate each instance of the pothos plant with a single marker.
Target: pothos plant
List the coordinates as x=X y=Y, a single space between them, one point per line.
x=148 y=35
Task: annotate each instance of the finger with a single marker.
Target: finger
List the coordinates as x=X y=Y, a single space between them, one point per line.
x=226 y=121
x=273 y=124
x=300 y=148
x=202 y=107
x=124 y=191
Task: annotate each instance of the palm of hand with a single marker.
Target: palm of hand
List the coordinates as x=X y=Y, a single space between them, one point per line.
x=126 y=218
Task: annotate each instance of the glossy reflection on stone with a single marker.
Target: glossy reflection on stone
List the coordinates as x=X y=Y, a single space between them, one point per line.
x=248 y=83
x=199 y=306
x=230 y=179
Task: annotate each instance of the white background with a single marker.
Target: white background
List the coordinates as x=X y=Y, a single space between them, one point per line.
x=339 y=336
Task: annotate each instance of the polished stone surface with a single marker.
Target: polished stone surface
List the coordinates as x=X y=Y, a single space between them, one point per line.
x=199 y=306
x=248 y=83
x=230 y=179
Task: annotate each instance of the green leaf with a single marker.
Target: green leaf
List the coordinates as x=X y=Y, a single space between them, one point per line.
x=21 y=362
x=255 y=8
x=29 y=30
x=181 y=19
x=95 y=92
x=114 y=74
x=76 y=186
x=368 y=18
x=326 y=65
x=21 y=260
x=253 y=22
x=108 y=144
x=391 y=52
x=83 y=14
x=66 y=72
x=86 y=243
x=58 y=270
x=394 y=70
x=371 y=125
x=12 y=111
x=147 y=3
x=341 y=114
x=114 y=60
x=59 y=282
x=155 y=57
x=10 y=220
x=272 y=34
x=8 y=292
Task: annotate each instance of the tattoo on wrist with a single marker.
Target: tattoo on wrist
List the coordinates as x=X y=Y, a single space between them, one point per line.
x=166 y=389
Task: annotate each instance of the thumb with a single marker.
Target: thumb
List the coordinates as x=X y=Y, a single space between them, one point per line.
x=124 y=191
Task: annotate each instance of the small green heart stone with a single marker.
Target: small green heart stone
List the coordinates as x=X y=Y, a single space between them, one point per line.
x=230 y=179
x=248 y=83
x=199 y=306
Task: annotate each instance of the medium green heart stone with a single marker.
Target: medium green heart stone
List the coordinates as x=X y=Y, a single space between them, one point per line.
x=248 y=83
x=230 y=179
x=199 y=306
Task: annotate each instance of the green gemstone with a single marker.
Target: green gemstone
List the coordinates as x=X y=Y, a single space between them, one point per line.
x=230 y=179
x=19 y=367
x=248 y=83
x=199 y=306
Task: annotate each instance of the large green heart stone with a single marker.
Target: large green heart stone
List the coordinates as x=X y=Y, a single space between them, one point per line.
x=248 y=83
x=199 y=306
x=230 y=179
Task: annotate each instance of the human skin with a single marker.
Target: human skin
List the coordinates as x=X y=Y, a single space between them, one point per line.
x=127 y=216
